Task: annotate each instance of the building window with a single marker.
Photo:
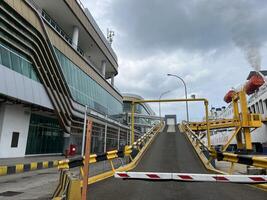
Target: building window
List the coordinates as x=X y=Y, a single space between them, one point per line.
x=17 y=62
x=253 y=109
x=15 y=139
x=86 y=90
x=265 y=104
x=44 y=135
x=126 y=107
x=257 y=108
x=261 y=107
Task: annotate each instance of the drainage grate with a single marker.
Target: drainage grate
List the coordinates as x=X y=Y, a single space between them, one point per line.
x=10 y=193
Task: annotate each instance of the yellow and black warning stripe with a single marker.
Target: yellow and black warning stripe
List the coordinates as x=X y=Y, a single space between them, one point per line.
x=128 y=151
x=19 y=168
x=78 y=161
x=242 y=159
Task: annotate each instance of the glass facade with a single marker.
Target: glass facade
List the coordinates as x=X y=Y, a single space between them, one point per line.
x=17 y=62
x=86 y=91
x=139 y=108
x=141 y=122
x=44 y=136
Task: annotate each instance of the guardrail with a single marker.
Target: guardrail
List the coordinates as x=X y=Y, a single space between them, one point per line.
x=242 y=159
x=69 y=186
x=199 y=146
x=79 y=161
x=210 y=154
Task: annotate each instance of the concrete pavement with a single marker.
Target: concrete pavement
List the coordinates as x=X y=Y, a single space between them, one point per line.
x=29 y=186
x=171 y=152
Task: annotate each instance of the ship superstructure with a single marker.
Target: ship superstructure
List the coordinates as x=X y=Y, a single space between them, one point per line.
x=257 y=103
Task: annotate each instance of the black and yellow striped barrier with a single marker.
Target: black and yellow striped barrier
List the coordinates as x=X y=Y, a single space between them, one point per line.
x=242 y=159
x=78 y=161
x=128 y=151
x=19 y=168
x=69 y=186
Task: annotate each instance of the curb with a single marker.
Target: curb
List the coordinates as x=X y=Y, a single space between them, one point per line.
x=26 y=167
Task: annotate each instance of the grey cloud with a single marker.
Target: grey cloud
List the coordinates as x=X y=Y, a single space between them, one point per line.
x=196 y=25
x=192 y=38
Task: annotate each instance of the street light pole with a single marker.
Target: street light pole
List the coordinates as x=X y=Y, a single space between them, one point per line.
x=185 y=89
x=159 y=101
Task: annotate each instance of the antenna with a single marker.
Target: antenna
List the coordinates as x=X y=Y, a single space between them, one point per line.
x=110 y=35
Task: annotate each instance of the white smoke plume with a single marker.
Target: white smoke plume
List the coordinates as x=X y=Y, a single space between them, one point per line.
x=251 y=50
x=254 y=57
x=245 y=27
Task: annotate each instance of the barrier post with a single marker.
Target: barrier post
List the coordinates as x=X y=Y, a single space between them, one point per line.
x=132 y=122
x=87 y=159
x=207 y=122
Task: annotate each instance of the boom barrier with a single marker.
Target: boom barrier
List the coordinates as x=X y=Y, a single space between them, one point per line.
x=189 y=177
x=69 y=186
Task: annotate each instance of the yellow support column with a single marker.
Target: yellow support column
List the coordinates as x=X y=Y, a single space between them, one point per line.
x=245 y=119
x=207 y=122
x=74 y=189
x=237 y=117
x=132 y=123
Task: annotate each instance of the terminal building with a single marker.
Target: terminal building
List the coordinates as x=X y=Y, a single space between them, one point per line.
x=54 y=61
x=144 y=116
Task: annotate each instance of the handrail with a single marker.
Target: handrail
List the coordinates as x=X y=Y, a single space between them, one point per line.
x=109 y=155
x=195 y=136
x=230 y=157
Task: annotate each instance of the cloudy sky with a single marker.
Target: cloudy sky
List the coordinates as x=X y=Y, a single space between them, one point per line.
x=212 y=44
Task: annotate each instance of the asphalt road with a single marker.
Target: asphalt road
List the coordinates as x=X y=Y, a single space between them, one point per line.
x=171 y=152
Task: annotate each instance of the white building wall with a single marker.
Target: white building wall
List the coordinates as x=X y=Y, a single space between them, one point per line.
x=13 y=118
x=15 y=85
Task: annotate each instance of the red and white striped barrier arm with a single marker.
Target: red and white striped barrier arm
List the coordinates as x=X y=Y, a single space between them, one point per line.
x=220 y=178
x=144 y=175
x=193 y=177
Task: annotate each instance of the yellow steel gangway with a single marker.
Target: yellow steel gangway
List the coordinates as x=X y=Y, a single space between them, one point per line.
x=243 y=123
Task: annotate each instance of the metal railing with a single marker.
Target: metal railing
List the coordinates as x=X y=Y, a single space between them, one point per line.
x=255 y=161
x=60 y=31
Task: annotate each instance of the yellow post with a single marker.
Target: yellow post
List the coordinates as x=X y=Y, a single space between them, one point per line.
x=245 y=119
x=238 y=135
x=74 y=189
x=132 y=123
x=207 y=122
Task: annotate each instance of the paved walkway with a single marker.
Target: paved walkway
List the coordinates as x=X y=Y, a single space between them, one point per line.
x=225 y=166
x=25 y=160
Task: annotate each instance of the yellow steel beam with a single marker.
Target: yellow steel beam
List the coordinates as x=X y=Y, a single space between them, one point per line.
x=238 y=135
x=132 y=121
x=206 y=104
x=260 y=162
x=169 y=100
x=215 y=124
x=207 y=122
x=242 y=120
x=232 y=137
x=245 y=119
